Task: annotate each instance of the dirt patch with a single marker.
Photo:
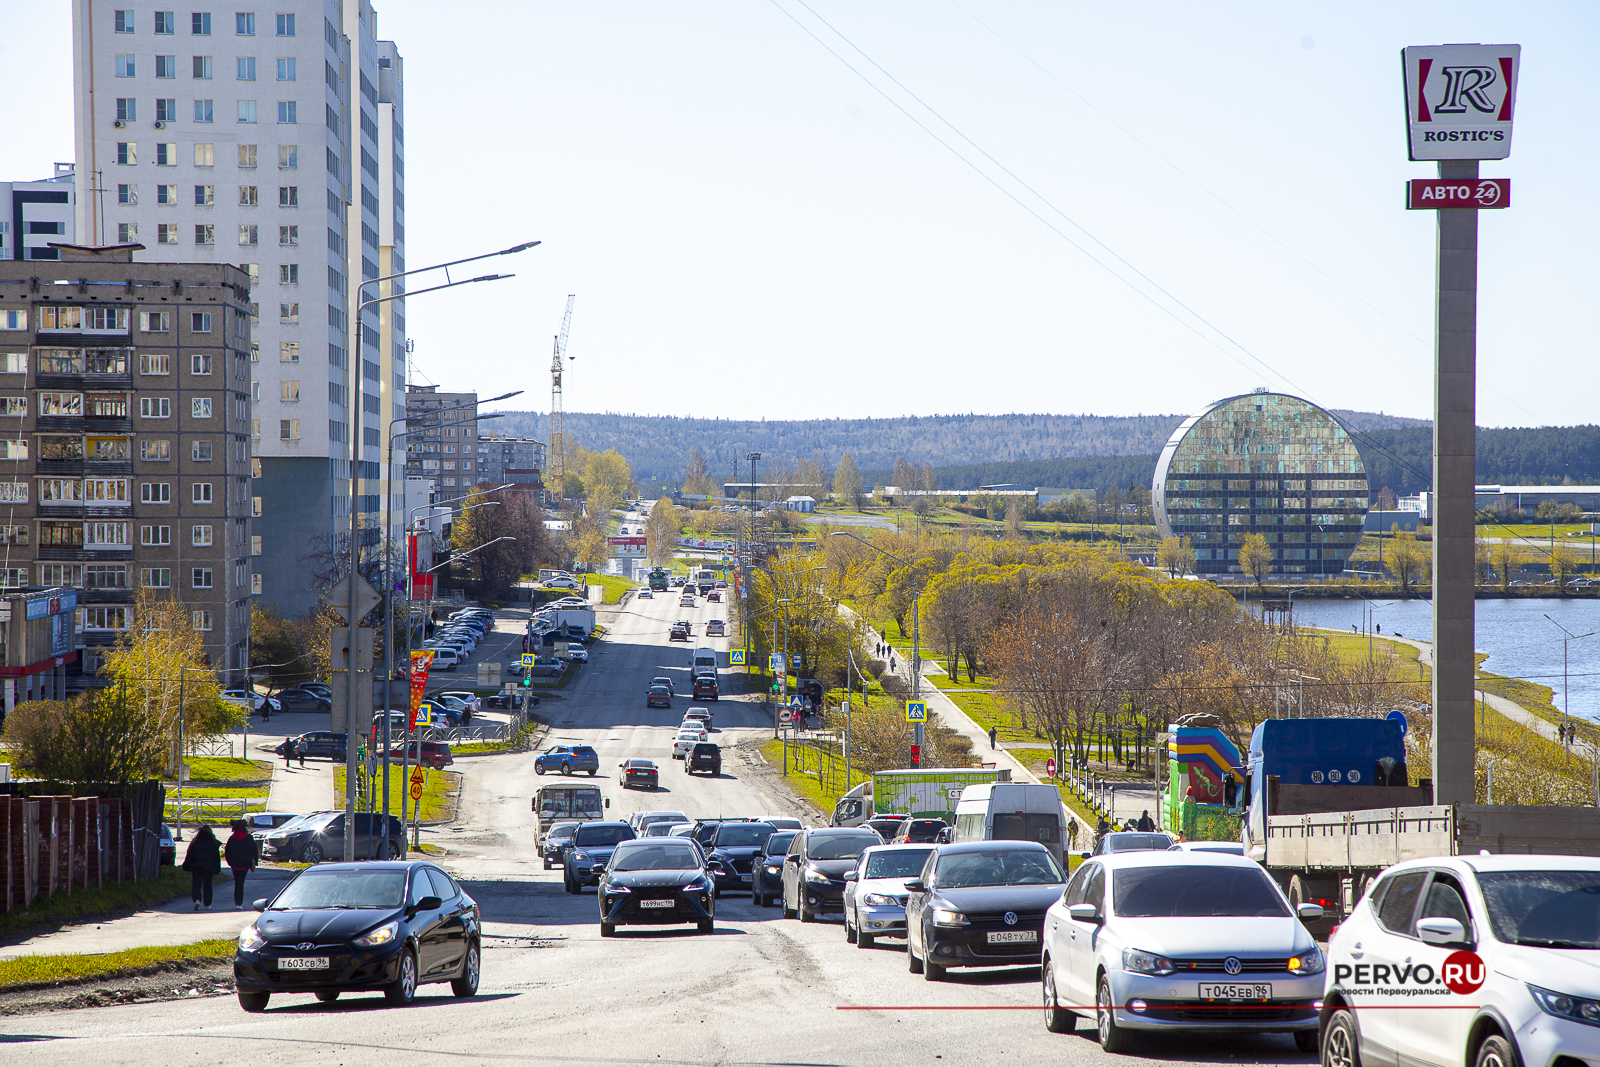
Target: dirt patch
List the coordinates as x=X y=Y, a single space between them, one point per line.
x=173 y=981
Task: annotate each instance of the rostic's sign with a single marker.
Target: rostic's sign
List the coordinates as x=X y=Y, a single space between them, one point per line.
x=1460 y=99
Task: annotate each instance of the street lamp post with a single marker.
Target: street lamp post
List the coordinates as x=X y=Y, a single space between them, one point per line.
x=916 y=648
x=1566 y=688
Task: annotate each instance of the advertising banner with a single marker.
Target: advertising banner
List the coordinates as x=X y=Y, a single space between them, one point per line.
x=1460 y=99
x=1423 y=194
x=421 y=660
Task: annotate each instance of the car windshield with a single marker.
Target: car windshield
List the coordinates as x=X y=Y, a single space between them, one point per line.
x=562 y=831
x=297 y=821
x=963 y=870
x=842 y=847
x=1185 y=891
x=344 y=888
x=742 y=834
x=1138 y=842
x=664 y=829
x=1549 y=909
x=896 y=863
x=602 y=835
x=662 y=857
x=778 y=843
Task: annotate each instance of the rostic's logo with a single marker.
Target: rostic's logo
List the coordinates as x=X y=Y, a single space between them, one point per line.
x=1464 y=972
x=1466 y=87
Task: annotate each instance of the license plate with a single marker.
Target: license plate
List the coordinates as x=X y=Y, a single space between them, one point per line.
x=1236 y=991
x=303 y=963
x=1012 y=937
x=745 y=877
x=655 y=903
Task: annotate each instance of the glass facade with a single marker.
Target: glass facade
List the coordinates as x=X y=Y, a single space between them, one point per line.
x=1263 y=463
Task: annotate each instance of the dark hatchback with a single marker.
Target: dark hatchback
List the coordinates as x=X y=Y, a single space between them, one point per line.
x=303 y=700
x=733 y=853
x=361 y=927
x=320 y=836
x=980 y=904
x=704 y=756
x=638 y=774
x=766 y=868
x=919 y=831
x=815 y=866
x=318 y=744
x=587 y=854
x=660 y=882
x=658 y=696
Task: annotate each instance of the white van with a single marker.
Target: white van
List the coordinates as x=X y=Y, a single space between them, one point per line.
x=1012 y=811
x=705 y=659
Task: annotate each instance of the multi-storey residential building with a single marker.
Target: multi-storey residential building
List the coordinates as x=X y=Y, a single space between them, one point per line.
x=125 y=439
x=497 y=455
x=253 y=137
x=37 y=215
x=443 y=443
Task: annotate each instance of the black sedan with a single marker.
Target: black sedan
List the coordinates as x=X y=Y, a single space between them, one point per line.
x=657 y=882
x=586 y=855
x=734 y=851
x=555 y=843
x=814 y=869
x=361 y=927
x=980 y=904
x=638 y=774
x=320 y=836
x=658 y=696
x=766 y=869
x=303 y=700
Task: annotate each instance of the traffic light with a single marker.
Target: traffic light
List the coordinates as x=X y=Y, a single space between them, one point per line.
x=916 y=755
x=527 y=680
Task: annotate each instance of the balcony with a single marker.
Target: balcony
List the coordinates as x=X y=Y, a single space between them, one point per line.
x=79 y=554
x=90 y=597
x=108 y=468
x=80 y=509
x=81 y=382
x=86 y=424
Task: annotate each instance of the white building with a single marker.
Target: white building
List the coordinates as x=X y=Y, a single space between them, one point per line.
x=260 y=137
x=36 y=214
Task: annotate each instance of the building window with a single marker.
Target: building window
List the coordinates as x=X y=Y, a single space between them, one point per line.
x=285 y=25
x=125 y=67
x=59 y=490
x=127 y=109
x=167 y=195
x=249 y=234
x=16 y=362
x=200 y=452
x=248 y=195
x=203 y=111
x=247 y=157
x=200 y=493
x=200 y=24
x=200 y=578
x=288 y=429
x=288 y=236
x=122 y=21
x=244 y=24
x=200 y=536
x=288 y=196
x=255 y=584
x=288 y=274
x=16 y=449
x=155 y=493
x=166 y=66
x=60 y=574
x=247 y=111
x=155 y=535
x=288 y=112
x=255 y=540
x=201 y=68
x=289 y=314
x=166 y=154
x=288 y=351
x=205 y=155
x=205 y=195
x=127 y=194
x=288 y=157
x=200 y=407
x=105 y=618
x=286 y=70
x=114 y=534
x=202 y=620
x=156 y=362
x=127 y=153
x=200 y=363
x=255 y=429
x=156 y=577
x=167 y=109
x=199 y=322
x=14 y=492
x=205 y=234
x=106 y=490
x=155 y=451
x=255 y=509
x=166 y=23
x=166 y=233
x=289 y=390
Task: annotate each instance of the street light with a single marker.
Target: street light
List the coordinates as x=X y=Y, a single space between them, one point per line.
x=916 y=646
x=1566 y=689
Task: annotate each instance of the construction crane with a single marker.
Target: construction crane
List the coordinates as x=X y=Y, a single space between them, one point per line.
x=558 y=443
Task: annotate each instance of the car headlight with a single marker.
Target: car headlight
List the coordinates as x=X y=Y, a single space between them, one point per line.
x=877 y=900
x=250 y=939
x=379 y=935
x=617 y=889
x=1310 y=962
x=1139 y=961
x=582 y=857
x=694 y=887
x=946 y=917
x=814 y=875
x=774 y=867
x=1578 y=1009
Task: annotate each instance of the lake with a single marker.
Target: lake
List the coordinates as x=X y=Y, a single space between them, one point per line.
x=1518 y=638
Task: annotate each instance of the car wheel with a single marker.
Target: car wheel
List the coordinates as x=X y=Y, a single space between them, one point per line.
x=591 y=774
x=849 y=931
x=1305 y=1040
x=404 y=988
x=467 y=984
x=1056 y=1020
x=566 y=880
x=394 y=851
x=913 y=962
x=312 y=853
x=757 y=899
x=254 y=1001
x=807 y=913
x=327 y=996
x=538 y=768
x=338 y=757
x=1341 y=1041
x=566 y=768
x=788 y=912
x=864 y=940
x=1113 y=1038
x=1495 y=1052
x=608 y=929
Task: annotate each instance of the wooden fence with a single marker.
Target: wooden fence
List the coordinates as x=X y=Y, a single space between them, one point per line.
x=60 y=844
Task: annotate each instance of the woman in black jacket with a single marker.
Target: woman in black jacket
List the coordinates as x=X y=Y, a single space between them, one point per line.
x=242 y=855
x=202 y=860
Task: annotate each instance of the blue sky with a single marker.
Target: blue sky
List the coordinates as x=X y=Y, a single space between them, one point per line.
x=751 y=229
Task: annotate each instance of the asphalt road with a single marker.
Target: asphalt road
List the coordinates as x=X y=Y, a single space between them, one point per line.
x=760 y=989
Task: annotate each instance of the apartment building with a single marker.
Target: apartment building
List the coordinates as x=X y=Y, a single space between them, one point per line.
x=125 y=439
x=498 y=455
x=258 y=138
x=442 y=446
x=37 y=215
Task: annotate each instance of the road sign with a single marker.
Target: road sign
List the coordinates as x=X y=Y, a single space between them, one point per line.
x=784 y=716
x=366 y=597
x=1459 y=99
x=775 y=661
x=418 y=776
x=423 y=716
x=794 y=701
x=529 y=658
x=416 y=790
x=916 y=711
x=1399 y=717
x=1423 y=194
x=736 y=657
x=794 y=661
x=1050 y=768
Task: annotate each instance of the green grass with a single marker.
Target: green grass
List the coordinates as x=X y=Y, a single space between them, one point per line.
x=821 y=791
x=517 y=742
x=612 y=584
x=28 y=972
x=438 y=794
x=229 y=792
x=228 y=769
x=87 y=905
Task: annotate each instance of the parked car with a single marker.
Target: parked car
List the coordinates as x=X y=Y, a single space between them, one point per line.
x=318 y=687
x=320 y=837
x=303 y=700
x=567 y=759
x=716 y=628
x=875 y=892
x=563 y=582
x=656 y=883
x=1130 y=923
x=455 y=696
x=262 y=821
x=815 y=866
x=732 y=853
x=590 y=850
x=513 y=700
x=318 y=744
x=555 y=842
x=434 y=754
x=1529 y=926
x=168 y=846
x=705 y=756
x=766 y=868
x=444 y=659
x=658 y=696
x=638 y=774
x=980 y=904
x=1131 y=841
x=249 y=698
x=916 y=831
x=407 y=924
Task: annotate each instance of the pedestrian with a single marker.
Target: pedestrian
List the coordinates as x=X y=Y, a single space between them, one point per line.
x=993 y=733
x=1146 y=824
x=300 y=754
x=202 y=860
x=288 y=751
x=1378 y=626
x=242 y=854
x=266 y=710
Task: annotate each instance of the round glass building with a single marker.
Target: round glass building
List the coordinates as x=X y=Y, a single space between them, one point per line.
x=1263 y=463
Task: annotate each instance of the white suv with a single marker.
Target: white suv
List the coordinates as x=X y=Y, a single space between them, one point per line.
x=1469 y=961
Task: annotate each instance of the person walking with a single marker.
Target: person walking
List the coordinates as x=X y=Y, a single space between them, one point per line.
x=1145 y=823
x=300 y=754
x=288 y=752
x=242 y=855
x=993 y=733
x=202 y=860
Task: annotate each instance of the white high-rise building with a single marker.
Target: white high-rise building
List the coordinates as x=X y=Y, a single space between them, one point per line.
x=259 y=137
x=36 y=215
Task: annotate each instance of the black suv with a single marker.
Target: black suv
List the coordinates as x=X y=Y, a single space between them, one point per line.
x=303 y=700
x=814 y=869
x=587 y=854
x=319 y=744
x=705 y=756
x=319 y=837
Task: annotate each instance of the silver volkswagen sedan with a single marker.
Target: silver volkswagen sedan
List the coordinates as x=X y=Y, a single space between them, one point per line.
x=875 y=892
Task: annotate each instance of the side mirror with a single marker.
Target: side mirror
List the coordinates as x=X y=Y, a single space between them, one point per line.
x=916 y=885
x=1085 y=855
x=261 y=904
x=1084 y=913
x=1439 y=930
x=608 y=802
x=849 y=876
x=426 y=904
x=1314 y=911
x=599 y=868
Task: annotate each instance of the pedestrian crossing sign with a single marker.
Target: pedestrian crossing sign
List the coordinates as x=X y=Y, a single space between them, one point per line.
x=529 y=658
x=775 y=661
x=736 y=657
x=916 y=711
x=424 y=716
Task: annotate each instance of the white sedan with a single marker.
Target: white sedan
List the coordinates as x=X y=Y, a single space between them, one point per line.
x=684 y=743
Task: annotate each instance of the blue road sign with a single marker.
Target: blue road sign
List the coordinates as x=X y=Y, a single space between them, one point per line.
x=1399 y=717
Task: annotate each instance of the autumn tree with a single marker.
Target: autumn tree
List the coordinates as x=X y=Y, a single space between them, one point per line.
x=905 y=475
x=484 y=519
x=1407 y=558
x=96 y=736
x=662 y=531
x=606 y=478
x=1507 y=558
x=1176 y=556
x=1255 y=557
x=847 y=482
x=1564 y=561
x=697 y=479
x=930 y=478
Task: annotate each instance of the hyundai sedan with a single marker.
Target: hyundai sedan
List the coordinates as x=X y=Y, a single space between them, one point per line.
x=660 y=882
x=360 y=927
x=734 y=852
